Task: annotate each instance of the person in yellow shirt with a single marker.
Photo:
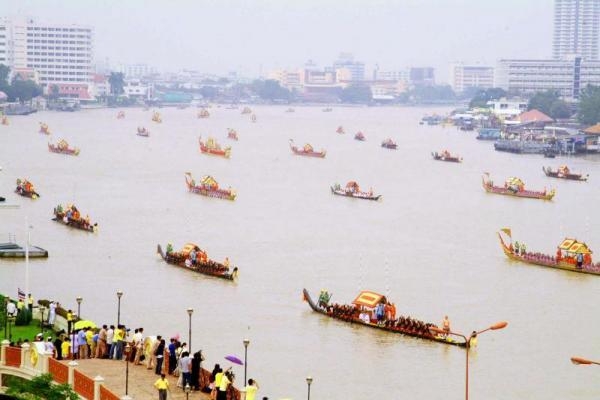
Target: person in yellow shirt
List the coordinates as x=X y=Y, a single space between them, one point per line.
x=163 y=386
x=251 y=389
x=69 y=321
x=89 y=334
x=66 y=348
x=30 y=302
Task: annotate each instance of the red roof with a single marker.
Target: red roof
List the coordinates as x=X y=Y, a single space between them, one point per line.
x=533 y=116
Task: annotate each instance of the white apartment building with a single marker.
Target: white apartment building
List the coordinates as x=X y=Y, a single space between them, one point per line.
x=402 y=75
x=289 y=79
x=576 y=29
x=60 y=54
x=507 y=107
x=3 y=42
x=470 y=76
x=568 y=77
x=136 y=70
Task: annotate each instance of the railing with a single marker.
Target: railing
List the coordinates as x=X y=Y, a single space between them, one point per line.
x=59 y=371
x=13 y=356
x=106 y=394
x=83 y=385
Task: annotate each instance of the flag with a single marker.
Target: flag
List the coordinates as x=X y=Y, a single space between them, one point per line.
x=21 y=294
x=507 y=231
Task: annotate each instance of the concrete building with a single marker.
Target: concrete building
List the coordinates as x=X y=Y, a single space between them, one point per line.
x=289 y=79
x=576 y=29
x=135 y=88
x=401 y=75
x=422 y=76
x=507 y=107
x=136 y=70
x=470 y=76
x=60 y=54
x=356 y=68
x=568 y=77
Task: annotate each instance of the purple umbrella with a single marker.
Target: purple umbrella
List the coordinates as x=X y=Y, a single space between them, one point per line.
x=234 y=360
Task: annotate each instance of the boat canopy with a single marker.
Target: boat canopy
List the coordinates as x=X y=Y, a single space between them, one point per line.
x=209 y=181
x=352 y=186
x=369 y=299
x=573 y=246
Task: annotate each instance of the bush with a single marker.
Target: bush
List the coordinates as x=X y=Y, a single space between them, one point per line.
x=23 y=317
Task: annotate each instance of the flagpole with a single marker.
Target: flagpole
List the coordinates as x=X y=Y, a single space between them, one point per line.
x=27 y=258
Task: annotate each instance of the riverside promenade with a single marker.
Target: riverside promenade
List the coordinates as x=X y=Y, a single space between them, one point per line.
x=141 y=380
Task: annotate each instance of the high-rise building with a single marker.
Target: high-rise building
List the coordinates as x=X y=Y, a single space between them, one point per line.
x=61 y=55
x=422 y=76
x=356 y=68
x=470 y=76
x=576 y=29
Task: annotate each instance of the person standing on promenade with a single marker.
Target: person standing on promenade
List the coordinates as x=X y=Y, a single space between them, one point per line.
x=185 y=364
x=110 y=341
x=251 y=389
x=118 y=342
x=195 y=373
x=65 y=348
x=151 y=363
x=58 y=345
x=69 y=321
x=101 y=349
x=52 y=315
x=163 y=386
x=226 y=380
x=172 y=356
x=82 y=344
x=89 y=339
x=138 y=343
x=30 y=303
x=160 y=355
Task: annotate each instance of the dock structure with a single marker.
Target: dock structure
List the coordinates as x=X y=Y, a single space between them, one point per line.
x=13 y=250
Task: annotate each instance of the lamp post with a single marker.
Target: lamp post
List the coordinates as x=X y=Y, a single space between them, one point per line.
x=246 y=343
x=187 y=389
x=119 y=294
x=127 y=351
x=496 y=326
x=79 y=300
x=583 y=361
x=42 y=310
x=309 y=380
x=190 y=311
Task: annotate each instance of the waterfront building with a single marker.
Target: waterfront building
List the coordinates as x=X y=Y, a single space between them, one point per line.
x=136 y=70
x=401 y=75
x=576 y=29
x=507 y=107
x=356 y=68
x=135 y=88
x=568 y=76
x=289 y=79
x=464 y=76
x=60 y=54
x=422 y=76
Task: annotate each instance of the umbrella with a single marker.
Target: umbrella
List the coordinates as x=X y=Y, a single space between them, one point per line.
x=84 y=324
x=234 y=360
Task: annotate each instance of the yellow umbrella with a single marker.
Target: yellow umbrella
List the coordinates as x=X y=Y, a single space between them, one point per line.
x=84 y=324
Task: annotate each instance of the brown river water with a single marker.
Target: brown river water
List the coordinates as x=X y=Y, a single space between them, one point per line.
x=430 y=245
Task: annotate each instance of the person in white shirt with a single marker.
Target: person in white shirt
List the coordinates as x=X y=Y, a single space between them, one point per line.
x=110 y=334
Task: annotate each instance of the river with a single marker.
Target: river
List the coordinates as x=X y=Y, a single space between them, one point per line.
x=430 y=245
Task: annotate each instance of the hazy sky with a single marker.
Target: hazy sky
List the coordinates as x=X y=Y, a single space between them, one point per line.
x=218 y=36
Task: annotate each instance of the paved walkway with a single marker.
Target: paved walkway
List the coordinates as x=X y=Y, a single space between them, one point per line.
x=141 y=380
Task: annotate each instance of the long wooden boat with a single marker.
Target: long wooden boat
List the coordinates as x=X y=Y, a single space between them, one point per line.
x=212 y=147
x=44 y=128
x=565 y=259
x=232 y=134
x=340 y=130
x=563 y=172
x=445 y=156
x=509 y=190
x=203 y=113
x=208 y=187
x=353 y=190
x=389 y=144
x=26 y=189
x=62 y=147
x=203 y=264
x=246 y=110
x=360 y=136
x=121 y=115
x=307 y=150
x=366 y=302
x=5 y=120
x=156 y=117
x=73 y=219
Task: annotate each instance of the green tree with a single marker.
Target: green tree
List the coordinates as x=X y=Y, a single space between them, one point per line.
x=116 y=82
x=589 y=105
x=483 y=96
x=54 y=92
x=560 y=109
x=432 y=93
x=40 y=388
x=4 y=71
x=543 y=101
x=23 y=90
x=356 y=93
x=270 y=90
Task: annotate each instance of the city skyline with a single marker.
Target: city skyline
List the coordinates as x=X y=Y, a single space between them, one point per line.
x=218 y=37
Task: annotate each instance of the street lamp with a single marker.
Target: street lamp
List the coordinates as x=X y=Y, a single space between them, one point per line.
x=473 y=335
x=187 y=389
x=190 y=311
x=79 y=300
x=246 y=343
x=583 y=361
x=119 y=294
x=127 y=351
x=309 y=380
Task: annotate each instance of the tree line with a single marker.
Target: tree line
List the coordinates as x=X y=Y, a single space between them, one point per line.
x=18 y=89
